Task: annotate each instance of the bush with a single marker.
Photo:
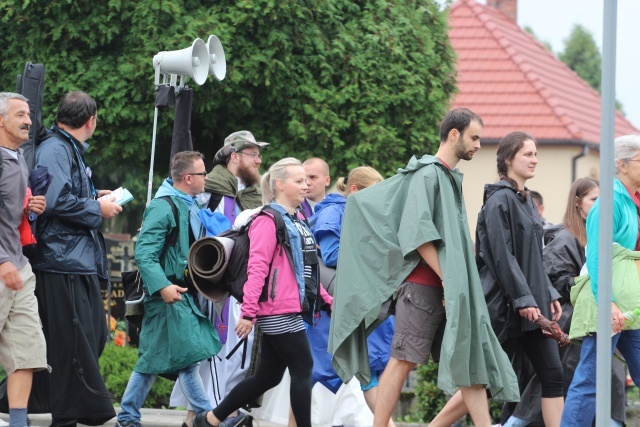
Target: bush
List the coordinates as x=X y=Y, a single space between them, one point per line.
x=430 y=399
x=116 y=365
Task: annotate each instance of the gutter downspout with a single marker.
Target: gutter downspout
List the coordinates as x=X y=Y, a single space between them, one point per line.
x=574 y=161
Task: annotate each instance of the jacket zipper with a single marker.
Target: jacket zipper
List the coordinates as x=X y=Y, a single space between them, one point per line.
x=274 y=283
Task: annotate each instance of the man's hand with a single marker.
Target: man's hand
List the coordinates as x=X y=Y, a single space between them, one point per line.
x=530 y=313
x=10 y=276
x=172 y=293
x=103 y=192
x=243 y=328
x=37 y=205
x=617 y=319
x=108 y=208
x=556 y=310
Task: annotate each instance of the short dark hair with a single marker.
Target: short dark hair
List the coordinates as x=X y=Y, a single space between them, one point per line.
x=457 y=118
x=182 y=162
x=537 y=197
x=75 y=109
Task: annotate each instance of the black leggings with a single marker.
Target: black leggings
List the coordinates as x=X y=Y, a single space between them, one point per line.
x=277 y=352
x=545 y=358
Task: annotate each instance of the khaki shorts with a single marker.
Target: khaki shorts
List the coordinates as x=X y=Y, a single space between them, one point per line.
x=22 y=344
x=419 y=323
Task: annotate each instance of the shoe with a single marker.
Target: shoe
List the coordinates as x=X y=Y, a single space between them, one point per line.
x=4 y=423
x=118 y=424
x=201 y=421
x=234 y=421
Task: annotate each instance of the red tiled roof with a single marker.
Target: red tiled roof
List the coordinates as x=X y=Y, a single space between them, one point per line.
x=514 y=83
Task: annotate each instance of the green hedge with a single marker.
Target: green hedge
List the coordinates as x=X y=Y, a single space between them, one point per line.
x=430 y=399
x=116 y=365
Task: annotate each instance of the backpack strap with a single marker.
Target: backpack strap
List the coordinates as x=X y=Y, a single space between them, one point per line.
x=214 y=201
x=172 y=237
x=281 y=232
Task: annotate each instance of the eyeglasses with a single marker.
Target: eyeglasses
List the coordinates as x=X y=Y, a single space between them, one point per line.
x=633 y=160
x=252 y=155
x=205 y=173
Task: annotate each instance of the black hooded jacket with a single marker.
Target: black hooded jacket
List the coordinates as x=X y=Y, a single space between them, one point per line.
x=509 y=258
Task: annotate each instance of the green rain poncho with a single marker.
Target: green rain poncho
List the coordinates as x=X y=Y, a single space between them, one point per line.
x=382 y=229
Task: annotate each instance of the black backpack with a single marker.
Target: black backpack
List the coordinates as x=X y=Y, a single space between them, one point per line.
x=235 y=276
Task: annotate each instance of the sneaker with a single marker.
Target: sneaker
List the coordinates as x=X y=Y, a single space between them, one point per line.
x=201 y=421
x=4 y=423
x=248 y=421
x=119 y=424
x=234 y=421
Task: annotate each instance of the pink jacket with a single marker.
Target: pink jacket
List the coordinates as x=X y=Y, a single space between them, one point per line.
x=281 y=296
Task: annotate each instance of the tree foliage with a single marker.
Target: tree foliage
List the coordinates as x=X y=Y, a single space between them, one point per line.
x=355 y=82
x=582 y=55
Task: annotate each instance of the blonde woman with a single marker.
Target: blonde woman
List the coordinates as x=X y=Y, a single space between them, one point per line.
x=283 y=271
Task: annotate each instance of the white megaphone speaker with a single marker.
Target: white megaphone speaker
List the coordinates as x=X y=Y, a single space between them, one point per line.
x=217 y=61
x=190 y=62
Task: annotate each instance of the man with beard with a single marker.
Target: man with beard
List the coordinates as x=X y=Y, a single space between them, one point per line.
x=231 y=187
x=416 y=249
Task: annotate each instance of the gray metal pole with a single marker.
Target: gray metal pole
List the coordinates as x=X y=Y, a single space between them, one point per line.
x=607 y=135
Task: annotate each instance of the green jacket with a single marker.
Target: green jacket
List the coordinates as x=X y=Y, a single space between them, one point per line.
x=173 y=336
x=625 y=289
x=382 y=229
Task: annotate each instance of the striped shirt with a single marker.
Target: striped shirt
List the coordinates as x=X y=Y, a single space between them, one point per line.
x=281 y=324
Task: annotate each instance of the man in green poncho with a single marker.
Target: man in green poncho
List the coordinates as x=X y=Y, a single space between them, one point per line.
x=175 y=335
x=408 y=239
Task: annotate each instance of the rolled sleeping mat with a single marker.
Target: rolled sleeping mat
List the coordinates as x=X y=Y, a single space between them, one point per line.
x=207 y=261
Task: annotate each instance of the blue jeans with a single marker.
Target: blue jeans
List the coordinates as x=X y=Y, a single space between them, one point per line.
x=139 y=385
x=580 y=404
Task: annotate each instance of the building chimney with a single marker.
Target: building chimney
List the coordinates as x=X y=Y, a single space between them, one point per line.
x=508 y=7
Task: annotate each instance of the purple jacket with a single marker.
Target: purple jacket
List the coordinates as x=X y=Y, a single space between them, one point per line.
x=282 y=294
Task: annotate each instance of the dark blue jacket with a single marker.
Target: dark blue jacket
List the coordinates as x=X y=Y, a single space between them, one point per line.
x=68 y=234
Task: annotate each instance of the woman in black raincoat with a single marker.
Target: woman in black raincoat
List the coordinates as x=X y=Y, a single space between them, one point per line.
x=564 y=257
x=509 y=256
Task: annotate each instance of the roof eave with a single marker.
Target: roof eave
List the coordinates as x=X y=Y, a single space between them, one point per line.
x=570 y=142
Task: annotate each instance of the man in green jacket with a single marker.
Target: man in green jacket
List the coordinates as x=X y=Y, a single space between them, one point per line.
x=175 y=336
x=410 y=242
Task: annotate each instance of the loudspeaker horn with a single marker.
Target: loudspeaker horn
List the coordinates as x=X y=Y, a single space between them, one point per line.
x=191 y=62
x=217 y=61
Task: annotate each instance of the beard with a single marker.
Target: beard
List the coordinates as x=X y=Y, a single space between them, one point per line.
x=461 y=151
x=248 y=177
